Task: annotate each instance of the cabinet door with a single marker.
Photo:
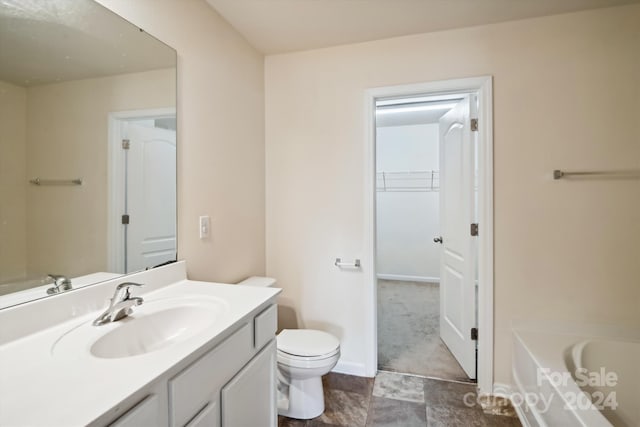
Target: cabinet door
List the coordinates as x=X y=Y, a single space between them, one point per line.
x=208 y=417
x=249 y=399
x=201 y=381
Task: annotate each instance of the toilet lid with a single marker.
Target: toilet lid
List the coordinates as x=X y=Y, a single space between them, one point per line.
x=306 y=342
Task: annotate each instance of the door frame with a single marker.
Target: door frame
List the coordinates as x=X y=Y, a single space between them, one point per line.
x=115 y=179
x=482 y=86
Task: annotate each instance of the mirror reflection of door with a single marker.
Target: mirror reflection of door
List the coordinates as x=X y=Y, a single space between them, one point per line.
x=145 y=192
x=150 y=191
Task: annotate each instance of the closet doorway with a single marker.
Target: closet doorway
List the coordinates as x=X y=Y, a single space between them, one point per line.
x=407 y=222
x=431 y=272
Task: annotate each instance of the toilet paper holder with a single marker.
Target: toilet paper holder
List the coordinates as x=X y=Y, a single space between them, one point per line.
x=341 y=264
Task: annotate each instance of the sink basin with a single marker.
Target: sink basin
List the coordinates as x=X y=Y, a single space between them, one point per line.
x=152 y=332
x=153 y=326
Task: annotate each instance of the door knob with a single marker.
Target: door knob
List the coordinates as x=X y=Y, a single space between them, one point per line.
x=438 y=239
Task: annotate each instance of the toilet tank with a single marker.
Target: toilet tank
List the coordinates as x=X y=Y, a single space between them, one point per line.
x=287 y=318
x=259 y=281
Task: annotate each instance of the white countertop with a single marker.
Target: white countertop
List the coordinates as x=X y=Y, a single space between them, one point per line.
x=38 y=387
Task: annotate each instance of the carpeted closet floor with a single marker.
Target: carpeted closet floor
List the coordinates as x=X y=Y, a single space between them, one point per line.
x=409 y=331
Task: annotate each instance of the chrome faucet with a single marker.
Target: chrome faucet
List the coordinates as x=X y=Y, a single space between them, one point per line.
x=60 y=284
x=120 y=305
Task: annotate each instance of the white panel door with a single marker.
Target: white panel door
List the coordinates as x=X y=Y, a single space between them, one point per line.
x=150 y=196
x=457 y=261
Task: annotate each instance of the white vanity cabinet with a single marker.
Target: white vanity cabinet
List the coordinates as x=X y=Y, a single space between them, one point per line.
x=199 y=384
x=208 y=417
x=149 y=412
x=193 y=354
x=233 y=384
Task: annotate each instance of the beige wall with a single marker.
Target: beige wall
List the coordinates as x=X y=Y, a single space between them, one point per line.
x=220 y=135
x=13 y=182
x=67 y=137
x=566 y=91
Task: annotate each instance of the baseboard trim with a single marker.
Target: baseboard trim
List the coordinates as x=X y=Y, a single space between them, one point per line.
x=506 y=391
x=502 y=390
x=406 y=278
x=350 y=368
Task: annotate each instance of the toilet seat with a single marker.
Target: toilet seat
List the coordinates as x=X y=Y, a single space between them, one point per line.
x=308 y=363
x=307 y=344
x=292 y=357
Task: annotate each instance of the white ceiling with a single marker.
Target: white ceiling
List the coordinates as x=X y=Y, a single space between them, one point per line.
x=276 y=26
x=49 y=41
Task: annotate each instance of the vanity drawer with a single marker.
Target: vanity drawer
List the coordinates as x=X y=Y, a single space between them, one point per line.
x=200 y=383
x=145 y=413
x=265 y=325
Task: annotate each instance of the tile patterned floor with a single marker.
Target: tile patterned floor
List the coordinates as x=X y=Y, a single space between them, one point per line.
x=400 y=401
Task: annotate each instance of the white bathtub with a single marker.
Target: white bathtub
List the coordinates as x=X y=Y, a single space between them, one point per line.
x=567 y=380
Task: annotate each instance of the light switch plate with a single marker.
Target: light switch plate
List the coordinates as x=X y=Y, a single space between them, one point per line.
x=205 y=225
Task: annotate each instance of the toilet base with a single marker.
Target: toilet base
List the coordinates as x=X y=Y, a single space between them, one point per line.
x=306 y=399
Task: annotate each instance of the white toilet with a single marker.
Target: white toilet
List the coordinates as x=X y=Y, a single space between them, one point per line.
x=304 y=356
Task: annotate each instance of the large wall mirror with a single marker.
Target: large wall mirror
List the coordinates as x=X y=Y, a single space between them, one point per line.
x=87 y=148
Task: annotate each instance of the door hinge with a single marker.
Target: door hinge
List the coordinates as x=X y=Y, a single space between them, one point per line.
x=126 y=144
x=474 y=334
x=474 y=229
x=474 y=125
x=125 y=219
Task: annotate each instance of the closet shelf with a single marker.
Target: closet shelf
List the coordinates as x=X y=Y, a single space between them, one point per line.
x=408 y=181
